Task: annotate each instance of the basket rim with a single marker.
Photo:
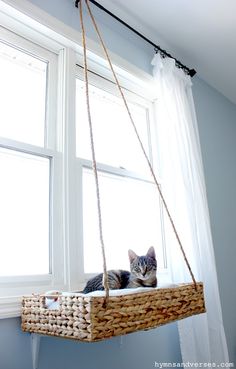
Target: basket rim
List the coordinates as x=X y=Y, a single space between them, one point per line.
x=134 y=293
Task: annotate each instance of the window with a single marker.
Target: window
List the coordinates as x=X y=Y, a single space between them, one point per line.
x=49 y=237
x=116 y=144
x=24 y=214
x=29 y=166
x=131 y=210
x=22 y=95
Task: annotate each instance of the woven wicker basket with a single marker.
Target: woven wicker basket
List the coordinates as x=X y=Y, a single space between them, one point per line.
x=84 y=318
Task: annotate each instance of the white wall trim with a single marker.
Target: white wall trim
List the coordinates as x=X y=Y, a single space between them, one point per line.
x=10 y=307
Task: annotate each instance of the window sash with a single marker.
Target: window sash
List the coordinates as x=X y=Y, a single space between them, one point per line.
x=22 y=44
x=18 y=285
x=10 y=285
x=109 y=86
x=103 y=83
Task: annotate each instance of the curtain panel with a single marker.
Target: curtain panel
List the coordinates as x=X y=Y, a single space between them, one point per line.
x=202 y=337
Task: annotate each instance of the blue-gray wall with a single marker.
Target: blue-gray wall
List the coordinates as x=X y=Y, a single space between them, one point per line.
x=217 y=126
x=136 y=351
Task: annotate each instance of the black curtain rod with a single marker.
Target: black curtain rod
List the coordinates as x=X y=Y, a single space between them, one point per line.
x=164 y=53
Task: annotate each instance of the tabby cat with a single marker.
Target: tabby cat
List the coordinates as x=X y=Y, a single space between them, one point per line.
x=142 y=274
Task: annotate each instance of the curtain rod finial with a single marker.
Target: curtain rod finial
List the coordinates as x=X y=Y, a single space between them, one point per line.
x=192 y=72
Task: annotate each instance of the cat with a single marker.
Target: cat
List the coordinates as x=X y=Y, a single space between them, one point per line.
x=142 y=274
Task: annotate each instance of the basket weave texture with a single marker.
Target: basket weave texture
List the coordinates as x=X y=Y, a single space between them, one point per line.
x=85 y=318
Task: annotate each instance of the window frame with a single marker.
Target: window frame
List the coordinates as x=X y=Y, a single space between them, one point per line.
x=27 y=21
x=14 y=286
x=97 y=79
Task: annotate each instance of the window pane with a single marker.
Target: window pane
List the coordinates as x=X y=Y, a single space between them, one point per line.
x=24 y=214
x=114 y=136
x=131 y=219
x=22 y=96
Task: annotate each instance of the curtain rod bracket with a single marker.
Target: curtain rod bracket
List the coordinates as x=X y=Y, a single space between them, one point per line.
x=77 y=3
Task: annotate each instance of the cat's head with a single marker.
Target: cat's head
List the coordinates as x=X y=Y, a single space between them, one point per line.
x=143 y=267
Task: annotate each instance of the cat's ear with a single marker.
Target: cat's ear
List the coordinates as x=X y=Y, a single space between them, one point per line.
x=132 y=255
x=151 y=252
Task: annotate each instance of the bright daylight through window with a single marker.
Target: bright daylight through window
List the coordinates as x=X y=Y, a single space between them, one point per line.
x=24 y=215
x=25 y=175
x=22 y=95
x=130 y=203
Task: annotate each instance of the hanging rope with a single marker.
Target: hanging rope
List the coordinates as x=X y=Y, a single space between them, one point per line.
x=137 y=135
x=105 y=275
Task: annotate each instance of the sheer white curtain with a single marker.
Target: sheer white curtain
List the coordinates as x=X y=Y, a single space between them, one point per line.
x=202 y=337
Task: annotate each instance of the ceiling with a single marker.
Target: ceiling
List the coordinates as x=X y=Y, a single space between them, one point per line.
x=201 y=34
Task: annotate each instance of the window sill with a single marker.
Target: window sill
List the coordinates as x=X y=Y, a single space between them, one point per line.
x=16 y=287
x=10 y=307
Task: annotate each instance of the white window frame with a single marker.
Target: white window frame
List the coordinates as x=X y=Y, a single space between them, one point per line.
x=14 y=286
x=107 y=85
x=33 y=24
